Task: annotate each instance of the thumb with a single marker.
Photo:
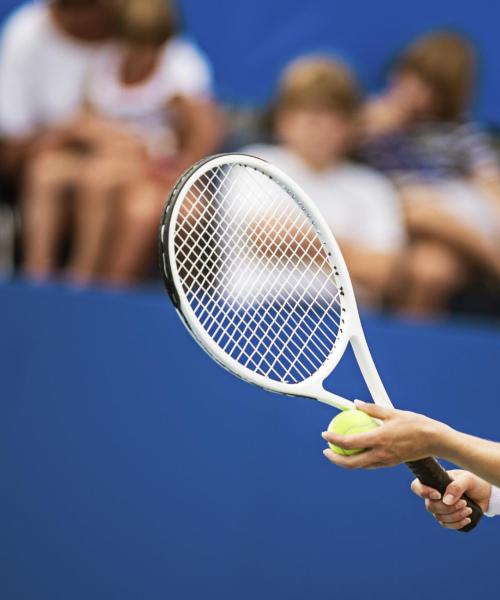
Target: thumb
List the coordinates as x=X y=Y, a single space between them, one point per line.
x=455 y=489
x=374 y=410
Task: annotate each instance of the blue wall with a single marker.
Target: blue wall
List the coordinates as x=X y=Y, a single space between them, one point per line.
x=260 y=37
x=132 y=466
x=249 y=42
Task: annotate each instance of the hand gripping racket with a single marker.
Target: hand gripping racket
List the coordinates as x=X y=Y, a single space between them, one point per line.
x=258 y=278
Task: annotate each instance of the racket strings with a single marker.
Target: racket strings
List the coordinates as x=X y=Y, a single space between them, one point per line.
x=288 y=245
x=255 y=273
x=285 y=322
x=251 y=249
x=242 y=353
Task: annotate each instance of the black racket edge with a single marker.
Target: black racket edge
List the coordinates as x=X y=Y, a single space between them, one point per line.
x=172 y=198
x=429 y=472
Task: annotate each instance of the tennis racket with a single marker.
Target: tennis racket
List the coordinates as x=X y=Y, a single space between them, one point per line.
x=259 y=280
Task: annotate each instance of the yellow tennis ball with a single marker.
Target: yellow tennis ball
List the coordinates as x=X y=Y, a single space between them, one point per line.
x=349 y=422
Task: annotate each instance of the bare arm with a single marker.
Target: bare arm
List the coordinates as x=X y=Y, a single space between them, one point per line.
x=423 y=218
x=406 y=436
x=481 y=457
x=381 y=116
x=200 y=129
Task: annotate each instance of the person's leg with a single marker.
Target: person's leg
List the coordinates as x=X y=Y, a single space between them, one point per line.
x=107 y=176
x=136 y=227
x=45 y=210
x=93 y=214
x=434 y=272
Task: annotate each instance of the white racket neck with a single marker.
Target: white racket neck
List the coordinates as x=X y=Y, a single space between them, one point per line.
x=368 y=369
x=314 y=389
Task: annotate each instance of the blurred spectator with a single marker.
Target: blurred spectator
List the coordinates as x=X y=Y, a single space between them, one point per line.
x=45 y=52
x=314 y=121
x=148 y=115
x=418 y=132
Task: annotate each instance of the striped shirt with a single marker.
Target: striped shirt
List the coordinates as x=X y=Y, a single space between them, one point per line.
x=431 y=152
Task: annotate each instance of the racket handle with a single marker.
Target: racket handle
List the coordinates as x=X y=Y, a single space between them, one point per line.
x=432 y=474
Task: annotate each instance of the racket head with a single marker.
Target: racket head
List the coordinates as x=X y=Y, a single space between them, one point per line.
x=299 y=327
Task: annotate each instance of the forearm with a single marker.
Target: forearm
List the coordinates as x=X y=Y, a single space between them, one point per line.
x=424 y=219
x=481 y=457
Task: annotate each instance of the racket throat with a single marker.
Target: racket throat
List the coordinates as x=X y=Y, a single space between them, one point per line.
x=369 y=370
x=318 y=392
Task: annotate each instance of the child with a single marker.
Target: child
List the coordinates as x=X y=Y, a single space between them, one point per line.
x=418 y=134
x=149 y=116
x=315 y=110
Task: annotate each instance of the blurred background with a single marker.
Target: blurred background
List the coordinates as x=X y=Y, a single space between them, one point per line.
x=386 y=115
x=131 y=466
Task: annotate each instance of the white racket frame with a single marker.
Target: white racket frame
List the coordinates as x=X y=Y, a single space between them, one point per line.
x=352 y=330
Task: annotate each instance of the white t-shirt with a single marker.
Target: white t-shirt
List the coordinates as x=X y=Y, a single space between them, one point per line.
x=494 y=507
x=359 y=205
x=181 y=71
x=42 y=71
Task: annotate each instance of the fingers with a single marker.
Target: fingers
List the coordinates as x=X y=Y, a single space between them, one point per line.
x=350 y=442
x=456 y=515
x=458 y=525
x=374 y=410
x=437 y=508
x=454 y=491
x=451 y=516
x=456 y=519
x=456 y=488
x=424 y=491
x=365 y=460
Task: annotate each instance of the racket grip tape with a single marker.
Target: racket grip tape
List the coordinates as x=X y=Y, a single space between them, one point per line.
x=429 y=472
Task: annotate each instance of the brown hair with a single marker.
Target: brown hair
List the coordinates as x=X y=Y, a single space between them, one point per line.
x=151 y=22
x=446 y=62
x=319 y=84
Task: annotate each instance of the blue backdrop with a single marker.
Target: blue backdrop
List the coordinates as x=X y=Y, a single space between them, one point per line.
x=249 y=42
x=132 y=466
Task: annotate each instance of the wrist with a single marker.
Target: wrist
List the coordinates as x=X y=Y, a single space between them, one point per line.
x=441 y=439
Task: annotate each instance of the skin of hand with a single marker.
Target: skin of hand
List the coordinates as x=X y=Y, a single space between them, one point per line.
x=403 y=436
x=380 y=117
x=450 y=511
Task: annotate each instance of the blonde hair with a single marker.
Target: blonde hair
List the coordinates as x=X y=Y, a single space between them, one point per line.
x=146 y=21
x=446 y=62
x=318 y=83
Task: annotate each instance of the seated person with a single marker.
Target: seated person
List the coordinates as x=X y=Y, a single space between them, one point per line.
x=148 y=116
x=315 y=111
x=417 y=132
x=45 y=53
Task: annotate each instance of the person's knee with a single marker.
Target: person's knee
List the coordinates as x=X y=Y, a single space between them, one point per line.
x=51 y=169
x=141 y=213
